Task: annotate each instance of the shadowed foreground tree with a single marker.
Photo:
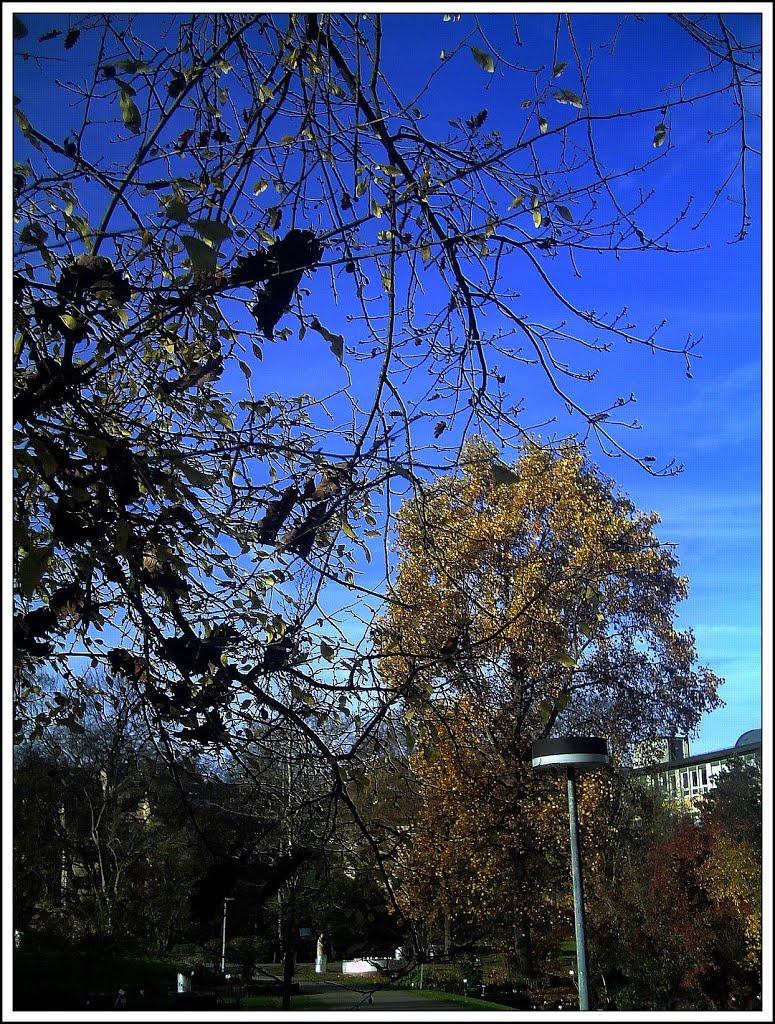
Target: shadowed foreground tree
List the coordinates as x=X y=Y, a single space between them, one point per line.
x=115 y=856
x=103 y=851
x=201 y=199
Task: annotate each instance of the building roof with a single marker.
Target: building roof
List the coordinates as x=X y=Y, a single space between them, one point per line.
x=752 y=736
x=739 y=750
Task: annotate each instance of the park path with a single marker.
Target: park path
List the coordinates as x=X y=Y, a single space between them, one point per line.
x=382 y=1001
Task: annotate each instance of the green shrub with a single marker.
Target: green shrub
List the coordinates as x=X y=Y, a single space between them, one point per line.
x=55 y=980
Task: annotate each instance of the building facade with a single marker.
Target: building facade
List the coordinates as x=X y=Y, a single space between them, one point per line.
x=683 y=778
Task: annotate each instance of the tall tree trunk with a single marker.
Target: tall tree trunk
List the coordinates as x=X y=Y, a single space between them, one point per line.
x=523 y=944
x=86 y=970
x=447 y=932
x=289 y=965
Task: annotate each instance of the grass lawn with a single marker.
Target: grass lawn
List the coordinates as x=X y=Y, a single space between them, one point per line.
x=60 y=981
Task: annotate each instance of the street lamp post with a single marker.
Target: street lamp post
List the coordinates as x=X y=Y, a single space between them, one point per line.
x=572 y=752
x=226 y=899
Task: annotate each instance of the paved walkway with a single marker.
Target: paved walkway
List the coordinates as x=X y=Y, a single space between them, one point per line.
x=382 y=1001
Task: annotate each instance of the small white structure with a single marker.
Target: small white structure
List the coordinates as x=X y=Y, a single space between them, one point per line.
x=372 y=964
x=362 y=966
x=184 y=983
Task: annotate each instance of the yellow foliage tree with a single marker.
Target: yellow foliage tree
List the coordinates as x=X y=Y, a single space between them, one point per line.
x=529 y=600
x=488 y=843
x=732 y=878
x=544 y=595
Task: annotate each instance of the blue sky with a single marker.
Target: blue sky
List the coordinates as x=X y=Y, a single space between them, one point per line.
x=712 y=423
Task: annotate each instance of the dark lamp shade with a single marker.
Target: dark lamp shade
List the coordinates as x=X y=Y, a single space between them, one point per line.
x=570 y=752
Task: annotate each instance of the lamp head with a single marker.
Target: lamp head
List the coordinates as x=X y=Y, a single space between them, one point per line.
x=570 y=752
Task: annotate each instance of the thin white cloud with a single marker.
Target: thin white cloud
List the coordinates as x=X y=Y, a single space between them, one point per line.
x=698 y=517
x=724 y=412
x=723 y=630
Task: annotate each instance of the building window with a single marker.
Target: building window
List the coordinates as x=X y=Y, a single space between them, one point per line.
x=685 y=781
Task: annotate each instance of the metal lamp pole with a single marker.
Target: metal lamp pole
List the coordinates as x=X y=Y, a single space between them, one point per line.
x=573 y=752
x=578 y=893
x=226 y=899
